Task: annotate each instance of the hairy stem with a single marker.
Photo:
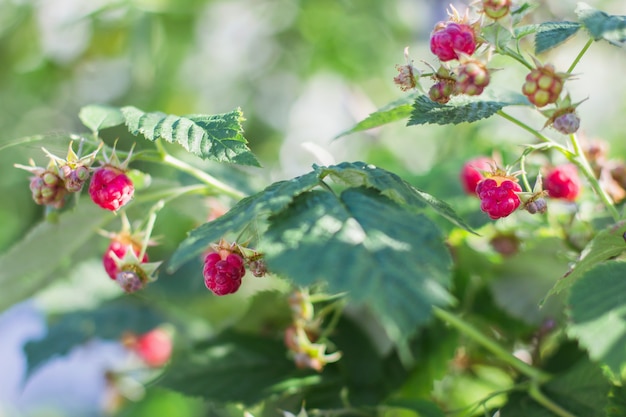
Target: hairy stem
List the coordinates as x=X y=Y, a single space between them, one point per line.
x=489 y=344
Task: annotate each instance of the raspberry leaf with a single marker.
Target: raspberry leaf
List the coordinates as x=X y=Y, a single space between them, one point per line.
x=97 y=117
x=459 y=109
x=606 y=244
x=551 y=34
x=392 y=112
x=216 y=137
x=601 y=25
x=384 y=255
x=598 y=314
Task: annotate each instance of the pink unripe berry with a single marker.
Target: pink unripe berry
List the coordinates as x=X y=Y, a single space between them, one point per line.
x=498 y=196
x=154 y=347
x=110 y=188
x=543 y=86
x=450 y=38
x=131 y=278
x=48 y=189
x=472 y=78
x=119 y=247
x=471 y=173
x=496 y=9
x=441 y=91
x=567 y=123
x=222 y=274
x=563 y=182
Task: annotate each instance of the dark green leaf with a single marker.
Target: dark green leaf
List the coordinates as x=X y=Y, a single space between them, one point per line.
x=606 y=244
x=232 y=367
x=551 y=34
x=48 y=249
x=423 y=408
x=257 y=207
x=392 y=112
x=356 y=174
x=384 y=255
x=460 y=109
x=598 y=313
x=97 y=117
x=601 y=25
x=216 y=137
x=109 y=321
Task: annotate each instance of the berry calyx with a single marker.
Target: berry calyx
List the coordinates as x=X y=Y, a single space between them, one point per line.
x=448 y=39
x=498 y=195
x=472 y=78
x=496 y=9
x=154 y=347
x=472 y=173
x=543 y=85
x=223 y=271
x=110 y=188
x=563 y=182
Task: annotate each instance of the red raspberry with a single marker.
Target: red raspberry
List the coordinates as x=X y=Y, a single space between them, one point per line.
x=496 y=9
x=497 y=195
x=471 y=173
x=563 y=182
x=472 y=78
x=450 y=38
x=223 y=275
x=110 y=188
x=154 y=347
x=441 y=91
x=119 y=247
x=48 y=189
x=543 y=85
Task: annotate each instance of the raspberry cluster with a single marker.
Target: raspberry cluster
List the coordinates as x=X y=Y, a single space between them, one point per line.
x=110 y=188
x=223 y=272
x=498 y=196
x=450 y=38
x=543 y=85
x=472 y=78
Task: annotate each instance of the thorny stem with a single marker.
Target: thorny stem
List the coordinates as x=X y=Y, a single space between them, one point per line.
x=489 y=344
x=579 y=56
x=536 y=394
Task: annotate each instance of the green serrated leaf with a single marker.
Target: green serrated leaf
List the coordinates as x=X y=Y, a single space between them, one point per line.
x=46 y=251
x=551 y=34
x=384 y=255
x=582 y=391
x=392 y=112
x=231 y=367
x=460 y=109
x=606 y=244
x=97 y=117
x=249 y=210
x=598 y=313
x=601 y=25
x=108 y=321
x=356 y=174
x=216 y=137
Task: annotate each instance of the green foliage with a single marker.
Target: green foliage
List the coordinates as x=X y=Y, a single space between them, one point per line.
x=601 y=25
x=215 y=137
x=552 y=34
x=460 y=109
x=397 y=110
x=598 y=311
x=97 y=117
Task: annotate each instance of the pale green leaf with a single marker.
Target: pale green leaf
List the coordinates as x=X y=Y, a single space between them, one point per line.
x=601 y=25
x=216 y=137
x=598 y=313
x=97 y=117
x=47 y=251
x=606 y=244
x=460 y=109
x=392 y=112
x=551 y=34
x=384 y=255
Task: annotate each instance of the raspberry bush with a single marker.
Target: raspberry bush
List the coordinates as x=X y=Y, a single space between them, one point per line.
x=472 y=267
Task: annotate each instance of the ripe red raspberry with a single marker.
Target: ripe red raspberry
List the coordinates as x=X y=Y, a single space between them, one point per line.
x=222 y=274
x=543 y=85
x=441 y=91
x=563 y=182
x=471 y=173
x=110 y=188
x=119 y=247
x=496 y=9
x=154 y=347
x=497 y=195
x=472 y=78
x=48 y=189
x=450 y=38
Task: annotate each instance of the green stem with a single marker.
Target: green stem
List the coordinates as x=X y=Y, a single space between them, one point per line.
x=489 y=344
x=535 y=132
x=579 y=56
x=536 y=394
x=522 y=167
x=337 y=308
x=152 y=214
x=581 y=162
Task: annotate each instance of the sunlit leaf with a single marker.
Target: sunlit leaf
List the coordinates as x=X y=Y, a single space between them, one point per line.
x=392 y=112
x=97 y=117
x=551 y=34
x=601 y=25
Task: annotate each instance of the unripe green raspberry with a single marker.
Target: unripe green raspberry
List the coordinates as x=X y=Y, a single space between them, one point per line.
x=543 y=85
x=472 y=78
x=496 y=9
x=441 y=91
